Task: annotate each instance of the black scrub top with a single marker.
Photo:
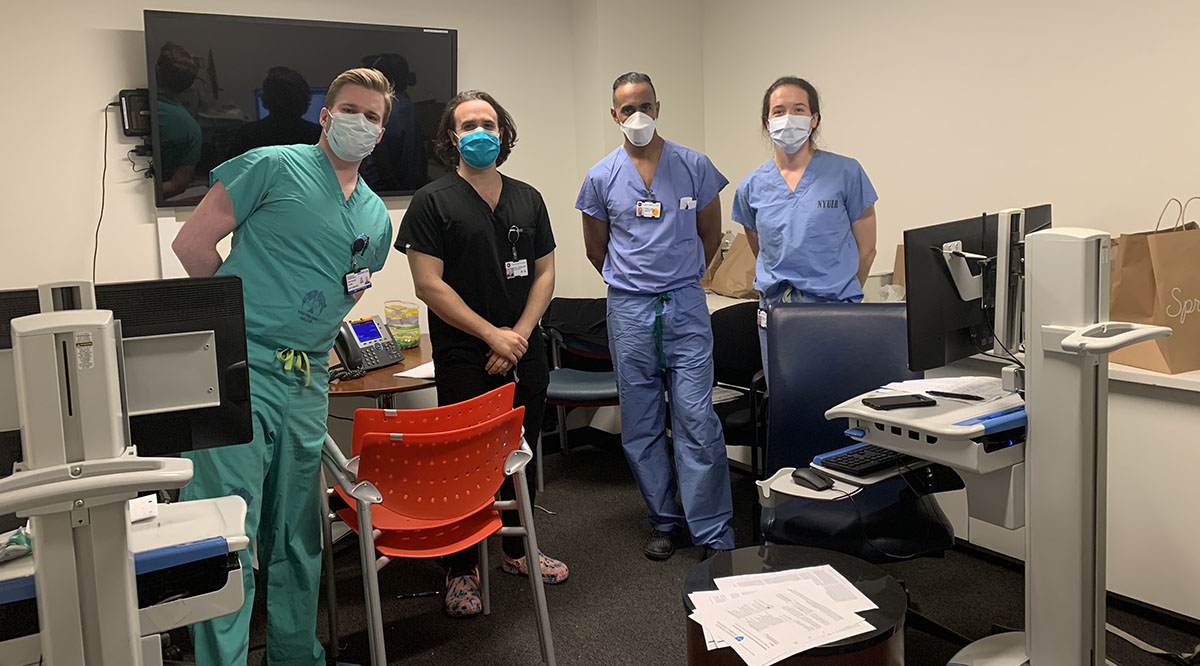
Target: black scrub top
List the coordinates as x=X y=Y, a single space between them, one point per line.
x=448 y=219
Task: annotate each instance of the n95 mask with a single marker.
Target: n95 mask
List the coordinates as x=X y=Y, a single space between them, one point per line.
x=789 y=132
x=351 y=136
x=638 y=128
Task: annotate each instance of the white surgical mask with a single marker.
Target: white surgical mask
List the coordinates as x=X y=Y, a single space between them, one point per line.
x=789 y=132
x=638 y=128
x=351 y=136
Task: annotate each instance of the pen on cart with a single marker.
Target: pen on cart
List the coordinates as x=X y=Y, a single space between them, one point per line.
x=960 y=396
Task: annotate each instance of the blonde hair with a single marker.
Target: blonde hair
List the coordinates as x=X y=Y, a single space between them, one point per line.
x=371 y=79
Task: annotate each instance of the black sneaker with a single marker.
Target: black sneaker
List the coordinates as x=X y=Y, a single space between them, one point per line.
x=660 y=545
x=710 y=552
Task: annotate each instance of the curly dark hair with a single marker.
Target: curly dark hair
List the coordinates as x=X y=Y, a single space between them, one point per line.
x=446 y=148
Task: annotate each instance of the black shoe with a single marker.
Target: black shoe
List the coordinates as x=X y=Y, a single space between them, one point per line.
x=710 y=552
x=660 y=545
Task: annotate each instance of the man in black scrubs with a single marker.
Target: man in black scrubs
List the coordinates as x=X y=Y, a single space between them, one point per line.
x=481 y=252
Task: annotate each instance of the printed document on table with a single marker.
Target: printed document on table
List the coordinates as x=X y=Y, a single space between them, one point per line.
x=775 y=623
x=839 y=589
x=423 y=371
x=709 y=598
x=987 y=388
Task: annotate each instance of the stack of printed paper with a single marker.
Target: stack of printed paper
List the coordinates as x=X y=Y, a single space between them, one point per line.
x=768 y=617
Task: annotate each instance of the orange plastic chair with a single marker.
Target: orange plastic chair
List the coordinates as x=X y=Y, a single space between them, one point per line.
x=435 y=419
x=426 y=494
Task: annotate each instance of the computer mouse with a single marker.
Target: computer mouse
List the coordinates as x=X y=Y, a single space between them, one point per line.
x=812 y=479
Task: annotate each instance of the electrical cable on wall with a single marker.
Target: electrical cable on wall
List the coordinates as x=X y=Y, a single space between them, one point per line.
x=103 y=176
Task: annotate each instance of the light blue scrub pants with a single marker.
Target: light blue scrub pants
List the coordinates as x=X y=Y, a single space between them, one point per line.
x=700 y=464
x=276 y=474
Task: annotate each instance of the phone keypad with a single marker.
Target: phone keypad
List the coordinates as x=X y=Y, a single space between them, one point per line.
x=381 y=354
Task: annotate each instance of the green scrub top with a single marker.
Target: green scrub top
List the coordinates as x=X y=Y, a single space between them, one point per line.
x=179 y=135
x=292 y=244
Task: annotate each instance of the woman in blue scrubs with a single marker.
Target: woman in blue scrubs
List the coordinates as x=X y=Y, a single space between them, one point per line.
x=809 y=213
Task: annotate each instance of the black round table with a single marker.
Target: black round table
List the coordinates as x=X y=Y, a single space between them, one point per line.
x=882 y=647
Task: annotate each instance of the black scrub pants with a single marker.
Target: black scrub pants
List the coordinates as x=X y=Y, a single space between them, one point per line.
x=457 y=382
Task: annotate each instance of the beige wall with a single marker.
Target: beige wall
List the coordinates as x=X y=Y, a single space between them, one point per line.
x=84 y=52
x=550 y=62
x=958 y=107
x=952 y=107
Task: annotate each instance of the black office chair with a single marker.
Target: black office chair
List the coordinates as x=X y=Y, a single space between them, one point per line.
x=581 y=373
x=737 y=365
x=819 y=355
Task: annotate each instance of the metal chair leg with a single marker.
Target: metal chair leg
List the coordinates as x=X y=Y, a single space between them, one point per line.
x=333 y=649
x=535 y=570
x=366 y=556
x=562 y=429
x=485 y=591
x=541 y=485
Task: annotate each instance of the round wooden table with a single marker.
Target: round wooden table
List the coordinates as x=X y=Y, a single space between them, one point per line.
x=882 y=647
x=383 y=383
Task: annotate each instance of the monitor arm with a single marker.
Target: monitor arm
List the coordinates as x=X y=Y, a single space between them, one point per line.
x=970 y=286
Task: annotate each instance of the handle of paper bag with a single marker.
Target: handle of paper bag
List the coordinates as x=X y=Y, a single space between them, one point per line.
x=1183 y=213
x=1178 y=220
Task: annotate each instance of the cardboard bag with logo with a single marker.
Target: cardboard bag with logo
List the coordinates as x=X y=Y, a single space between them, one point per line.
x=1156 y=280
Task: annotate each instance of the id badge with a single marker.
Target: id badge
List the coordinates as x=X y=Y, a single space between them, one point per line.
x=762 y=318
x=358 y=280
x=516 y=269
x=649 y=209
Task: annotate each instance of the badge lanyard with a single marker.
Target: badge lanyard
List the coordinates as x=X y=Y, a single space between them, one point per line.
x=358 y=279
x=514 y=235
x=357 y=248
x=649 y=207
x=515 y=268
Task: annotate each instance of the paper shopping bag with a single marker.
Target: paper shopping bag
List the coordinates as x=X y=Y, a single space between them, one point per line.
x=735 y=276
x=1155 y=279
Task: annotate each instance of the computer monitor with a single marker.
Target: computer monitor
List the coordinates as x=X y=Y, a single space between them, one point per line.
x=312 y=114
x=155 y=308
x=942 y=327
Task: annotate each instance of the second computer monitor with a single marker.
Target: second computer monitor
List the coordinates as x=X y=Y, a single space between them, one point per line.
x=942 y=327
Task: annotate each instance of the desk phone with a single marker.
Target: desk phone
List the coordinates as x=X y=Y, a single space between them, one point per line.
x=366 y=344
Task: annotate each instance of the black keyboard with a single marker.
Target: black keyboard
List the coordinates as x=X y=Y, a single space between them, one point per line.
x=867 y=460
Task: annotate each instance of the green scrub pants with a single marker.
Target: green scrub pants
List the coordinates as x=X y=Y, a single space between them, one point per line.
x=277 y=476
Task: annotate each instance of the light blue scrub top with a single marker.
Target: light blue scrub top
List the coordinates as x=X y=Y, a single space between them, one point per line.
x=651 y=256
x=292 y=243
x=804 y=235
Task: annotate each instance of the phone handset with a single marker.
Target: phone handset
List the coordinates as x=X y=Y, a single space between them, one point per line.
x=366 y=344
x=346 y=348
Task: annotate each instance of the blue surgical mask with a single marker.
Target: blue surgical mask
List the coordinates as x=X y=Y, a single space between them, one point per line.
x=351 y=136
x=479 y=147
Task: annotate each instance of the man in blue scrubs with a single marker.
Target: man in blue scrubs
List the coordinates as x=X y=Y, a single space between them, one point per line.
x=651 y=223
x=307 y=232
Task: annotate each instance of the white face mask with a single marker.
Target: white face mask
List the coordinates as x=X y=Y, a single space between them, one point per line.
x=351 y=136
x=638 y=128
x=789 y=132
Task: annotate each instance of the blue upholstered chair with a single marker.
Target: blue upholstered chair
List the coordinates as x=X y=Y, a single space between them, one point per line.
x=581 y=372
x=819 y=355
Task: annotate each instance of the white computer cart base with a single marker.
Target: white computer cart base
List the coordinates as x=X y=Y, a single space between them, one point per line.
x=1066 y=400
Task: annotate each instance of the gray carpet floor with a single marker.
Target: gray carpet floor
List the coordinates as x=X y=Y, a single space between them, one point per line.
x=619 y=608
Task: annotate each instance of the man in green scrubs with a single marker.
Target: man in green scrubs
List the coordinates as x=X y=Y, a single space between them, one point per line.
x=179 y=135
x=304 y=224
